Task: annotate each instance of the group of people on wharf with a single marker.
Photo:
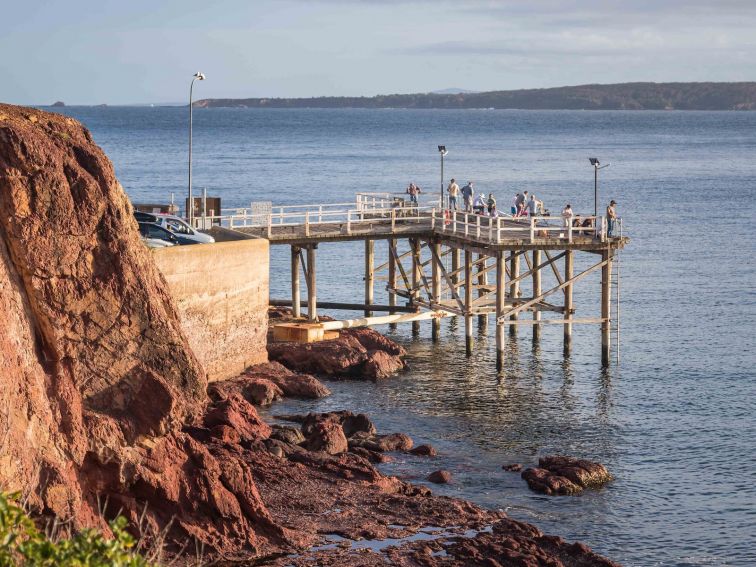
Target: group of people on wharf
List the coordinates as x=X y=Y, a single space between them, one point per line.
x=522 y=205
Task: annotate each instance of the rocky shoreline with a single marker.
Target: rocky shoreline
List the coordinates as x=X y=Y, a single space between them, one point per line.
x=106 y=410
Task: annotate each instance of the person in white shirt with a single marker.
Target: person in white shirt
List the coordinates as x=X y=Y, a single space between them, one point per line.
x=567 y=215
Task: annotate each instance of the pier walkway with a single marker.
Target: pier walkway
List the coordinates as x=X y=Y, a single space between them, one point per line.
x=439 y=262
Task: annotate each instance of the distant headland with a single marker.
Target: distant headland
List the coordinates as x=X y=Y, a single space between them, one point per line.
x=622 y=96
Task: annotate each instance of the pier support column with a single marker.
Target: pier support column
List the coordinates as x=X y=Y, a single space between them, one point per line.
x=514 y=287
x=468 y=303
x=500 y=295
x=295 y=296
x=569 y=260
x=415 y=245
x=455 y=254
x=606 y=309
x=482 y=280
x=312 y=300
x=536 y=293
x=391 y=275
x=369 y=275
x=436 y=287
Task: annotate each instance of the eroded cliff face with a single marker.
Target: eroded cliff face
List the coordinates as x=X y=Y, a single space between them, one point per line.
x=96 y=376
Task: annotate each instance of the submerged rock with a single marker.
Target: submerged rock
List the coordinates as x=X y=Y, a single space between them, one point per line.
x=424 y=451
x=440 y=477
x=514 y=467
x=565 y=475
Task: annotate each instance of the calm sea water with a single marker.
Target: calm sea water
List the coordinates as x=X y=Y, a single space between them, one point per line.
x=674 y=421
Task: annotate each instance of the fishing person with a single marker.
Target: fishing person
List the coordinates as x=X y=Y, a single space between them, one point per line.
x=467 y=196
x=491 y=202
x=453 y=191
x=611 y=215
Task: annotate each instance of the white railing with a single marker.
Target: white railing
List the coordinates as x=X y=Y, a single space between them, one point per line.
x=344 y=217
x=533 y=229
x=378 y=200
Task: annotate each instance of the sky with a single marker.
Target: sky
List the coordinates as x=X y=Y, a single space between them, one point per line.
x=139 y=51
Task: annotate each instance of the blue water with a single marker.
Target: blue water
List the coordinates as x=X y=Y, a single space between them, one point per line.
x=673 y=421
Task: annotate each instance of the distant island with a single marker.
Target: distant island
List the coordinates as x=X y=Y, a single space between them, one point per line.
x=622 y=96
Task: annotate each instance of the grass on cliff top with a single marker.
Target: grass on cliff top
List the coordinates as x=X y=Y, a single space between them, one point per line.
x=23 y=544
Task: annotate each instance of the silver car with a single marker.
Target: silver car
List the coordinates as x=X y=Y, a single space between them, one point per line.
x=175 y=224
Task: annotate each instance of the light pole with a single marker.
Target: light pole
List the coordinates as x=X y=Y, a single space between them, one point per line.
x=596 y=166
x=190 y=211
x=442 y=150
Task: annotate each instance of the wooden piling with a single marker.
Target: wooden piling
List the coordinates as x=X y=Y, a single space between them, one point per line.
x=295 y=295
x=606 y=306
x=468 y=303
x=392 y=274
x=514 y=286
x=500 y=296
x=415 y=245
x=569 y=260
x=312 y=301
x=482 y=281
x=369 y=274
x=436 y=286
x=536 y=293
x=455 y=257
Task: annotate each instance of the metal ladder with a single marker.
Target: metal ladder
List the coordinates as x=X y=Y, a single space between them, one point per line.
x=614 y=322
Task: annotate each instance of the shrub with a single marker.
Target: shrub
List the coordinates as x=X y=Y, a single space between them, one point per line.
x=23 y=544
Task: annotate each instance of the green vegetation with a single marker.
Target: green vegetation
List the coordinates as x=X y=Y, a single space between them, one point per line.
x=623 y=96
x=23 y=544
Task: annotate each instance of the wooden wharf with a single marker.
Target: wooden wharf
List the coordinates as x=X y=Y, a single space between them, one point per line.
x=448 y=263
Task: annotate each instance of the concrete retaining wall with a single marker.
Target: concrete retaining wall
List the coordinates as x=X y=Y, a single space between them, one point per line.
x=221 y=291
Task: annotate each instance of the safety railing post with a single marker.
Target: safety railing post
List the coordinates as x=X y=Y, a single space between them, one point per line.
x=454 y=221
x=433 y=218
x=569 y=230
x=393 y=219
x=270 y=224
x=349 y=222
x=307 y=223
x=320 y=213
x=532 y=229
x=498 y=230
x=477 y=226
x=490 y=229
x=467 y=225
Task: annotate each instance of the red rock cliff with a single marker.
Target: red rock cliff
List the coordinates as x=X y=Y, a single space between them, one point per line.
x=96 y=375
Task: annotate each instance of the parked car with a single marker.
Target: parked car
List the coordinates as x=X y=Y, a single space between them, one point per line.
x=151 y=230
x=157 y=243
x=175 y=224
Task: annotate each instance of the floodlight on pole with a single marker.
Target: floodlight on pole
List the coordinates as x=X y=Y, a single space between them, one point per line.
x=596 y=166
x=190 y=209
x=443 y=151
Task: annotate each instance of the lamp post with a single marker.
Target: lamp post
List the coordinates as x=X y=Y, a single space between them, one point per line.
x=190 y=211
x=442 y=150
x=596 y=166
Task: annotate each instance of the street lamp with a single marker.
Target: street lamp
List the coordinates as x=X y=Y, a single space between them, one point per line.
x=190 y=212
x=596 y=166
x=442 y=150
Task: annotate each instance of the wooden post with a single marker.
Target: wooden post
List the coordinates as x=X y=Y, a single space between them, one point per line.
x=369 y=276
x=295 y=297
x=500 y=294
x=568 y=273
x=415 y=245
x=468 y=303
x=606 y=306
x=455 y=254
x=436 y=287
x=482 y=280
x=392 y=274
x=536 y=293
x=514 y=287
x=312 y=301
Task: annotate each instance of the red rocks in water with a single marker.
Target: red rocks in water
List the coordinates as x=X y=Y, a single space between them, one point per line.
x=514 y=467
x=424 y=451
x=327 y=436
x=356 y=354
x=264 y=383
x=565 y=475
x=440 y=477
x=381 y=443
